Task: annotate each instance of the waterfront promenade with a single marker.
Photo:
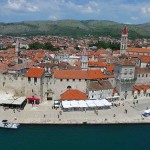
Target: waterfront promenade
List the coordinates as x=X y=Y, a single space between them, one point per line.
x=128 y=112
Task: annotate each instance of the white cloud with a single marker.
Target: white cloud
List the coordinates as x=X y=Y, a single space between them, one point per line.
x=116 y=10
x=88 y=8
x=22 y=5
x=134 y=18
x=145 y=10
x=52 y=17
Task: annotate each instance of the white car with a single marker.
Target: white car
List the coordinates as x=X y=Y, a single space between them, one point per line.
x=56 y=103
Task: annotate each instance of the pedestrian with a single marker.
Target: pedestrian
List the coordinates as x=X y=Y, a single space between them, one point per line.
x=114 y=115
x=137 y=101
x=44 y=115
x=58 y=115
x=60 y=112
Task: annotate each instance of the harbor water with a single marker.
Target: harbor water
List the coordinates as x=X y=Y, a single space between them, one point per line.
x=76 y=137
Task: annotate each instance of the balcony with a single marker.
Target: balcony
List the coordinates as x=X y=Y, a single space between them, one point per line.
x=126 y=81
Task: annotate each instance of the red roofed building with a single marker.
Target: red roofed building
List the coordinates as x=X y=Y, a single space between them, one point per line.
x=73 y=95
x=34 y=83
x=35 y=72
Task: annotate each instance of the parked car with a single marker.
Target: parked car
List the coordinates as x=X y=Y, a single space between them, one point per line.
x=56 y=103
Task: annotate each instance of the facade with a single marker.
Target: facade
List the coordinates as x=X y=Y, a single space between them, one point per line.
x=125 y=78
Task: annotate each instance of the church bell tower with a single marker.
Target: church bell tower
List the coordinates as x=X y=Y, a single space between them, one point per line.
x=124 y=39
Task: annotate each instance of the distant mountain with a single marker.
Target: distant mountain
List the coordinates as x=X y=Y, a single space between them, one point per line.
x=74 y=28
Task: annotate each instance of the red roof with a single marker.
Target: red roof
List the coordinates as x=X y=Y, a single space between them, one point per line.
x=35 y=72
x=73 y=95
x=110 y=68
x=124 y=30
x=99 y=64
x=79 y=74
x=145 y=59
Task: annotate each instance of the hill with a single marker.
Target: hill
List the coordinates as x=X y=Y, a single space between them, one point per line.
x=74 y=28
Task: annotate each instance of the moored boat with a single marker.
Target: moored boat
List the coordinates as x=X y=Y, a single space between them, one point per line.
x=7 y=124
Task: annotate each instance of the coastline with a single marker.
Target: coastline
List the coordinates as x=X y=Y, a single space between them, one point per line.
x=43 y=114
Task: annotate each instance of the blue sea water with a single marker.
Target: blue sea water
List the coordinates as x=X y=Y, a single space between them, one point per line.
x=76 y=137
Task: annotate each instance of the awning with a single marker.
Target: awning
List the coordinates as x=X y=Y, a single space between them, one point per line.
x=66 y=104
x=33 y=99
x=19 y=100
x=99 y=103
x=90 y=103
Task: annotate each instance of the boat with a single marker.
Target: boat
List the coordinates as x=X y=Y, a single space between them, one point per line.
x=7 y=124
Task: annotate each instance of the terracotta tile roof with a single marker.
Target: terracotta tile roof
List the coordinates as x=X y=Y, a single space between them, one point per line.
x=80 y=74
x=35 y=72
x=116 y=52
x=125 y=62
x=95 y=74
x=99 y=64
x=145 y=59
x=73 y=95
x=110 y=68
x=100 y=51
x=138 y=50
x=70 y=74
x=134 y=55
x=143 y=70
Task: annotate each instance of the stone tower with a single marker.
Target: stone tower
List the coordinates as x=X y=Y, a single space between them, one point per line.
x=17 y=47
x=124 y=38
x=84 y=60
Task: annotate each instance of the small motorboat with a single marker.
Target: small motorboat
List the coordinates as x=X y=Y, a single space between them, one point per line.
x=6 y=124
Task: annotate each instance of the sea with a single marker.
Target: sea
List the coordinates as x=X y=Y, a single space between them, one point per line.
x=76 y=137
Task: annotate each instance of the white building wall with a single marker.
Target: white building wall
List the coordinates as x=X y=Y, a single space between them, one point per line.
x=60 y=86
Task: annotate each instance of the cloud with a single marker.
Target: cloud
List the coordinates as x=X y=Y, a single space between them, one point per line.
x=52 y=18
x=145 y=10
x=22 y=5
x=134 y=18
x=88 y=8
x=115 y=10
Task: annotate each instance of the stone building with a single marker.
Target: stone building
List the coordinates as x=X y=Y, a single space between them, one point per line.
x=125 y=77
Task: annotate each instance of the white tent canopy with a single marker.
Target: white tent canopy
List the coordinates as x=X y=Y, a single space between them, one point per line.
x=82 y=104
x=85 y=103
x=98 y=103
x=74 y=104
x=90 y=103
x=66 y=104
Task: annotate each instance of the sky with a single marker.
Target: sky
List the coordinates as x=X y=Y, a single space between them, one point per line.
x=123 y=11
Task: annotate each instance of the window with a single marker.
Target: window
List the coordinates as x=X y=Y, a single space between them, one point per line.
x=146 y=75
x=35 y=80
x=29 y=79
x=73 y=79
x=67 y=79
x=69 y=87
x=61 y=80
x=80 y=80
x=139 y=75
x=142 y=75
